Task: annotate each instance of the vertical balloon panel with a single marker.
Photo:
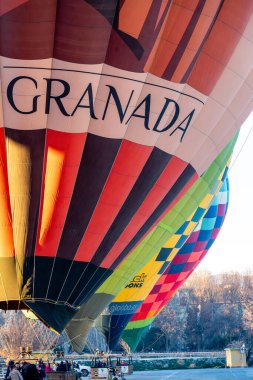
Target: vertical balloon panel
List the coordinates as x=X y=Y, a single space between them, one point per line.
x=24 y=144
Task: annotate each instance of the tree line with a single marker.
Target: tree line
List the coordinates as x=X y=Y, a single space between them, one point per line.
x=210 y=312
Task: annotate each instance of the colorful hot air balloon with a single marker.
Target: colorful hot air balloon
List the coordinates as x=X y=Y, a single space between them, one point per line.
x=180 y=269
x=111 y=111
x=115 y=318
x=202 y=191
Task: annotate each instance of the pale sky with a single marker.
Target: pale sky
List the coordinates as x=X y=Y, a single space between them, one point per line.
x=233 y=249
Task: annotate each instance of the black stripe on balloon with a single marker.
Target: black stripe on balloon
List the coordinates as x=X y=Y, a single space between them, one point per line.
x=94 y=276
x=174 y=61
x=33 y=143
x=96 y=163
x=142 y=45
x=107 y=8
x=82 y=287
x=52 y=315
x=13 y=305
x=155 y=165
x=181 y=182
x=189 y=70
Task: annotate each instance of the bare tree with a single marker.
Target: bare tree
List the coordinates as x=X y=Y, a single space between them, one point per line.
x=210 y=312
x=17 y=331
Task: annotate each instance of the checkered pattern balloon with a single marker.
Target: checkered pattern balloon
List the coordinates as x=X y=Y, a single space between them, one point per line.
x=183 y=264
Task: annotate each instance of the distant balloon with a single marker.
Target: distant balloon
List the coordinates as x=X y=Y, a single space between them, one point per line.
x=110 y=111
x=184 y=263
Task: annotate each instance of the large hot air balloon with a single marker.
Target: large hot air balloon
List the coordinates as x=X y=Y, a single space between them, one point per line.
x=180 y=269
x=200 y=193
x=111 y=110
x=115 y=318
